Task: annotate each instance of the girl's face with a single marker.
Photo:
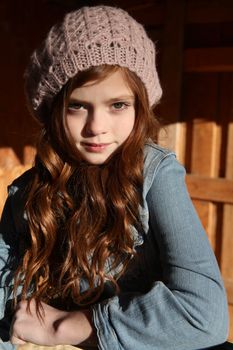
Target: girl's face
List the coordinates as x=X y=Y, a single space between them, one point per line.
x=100 y=117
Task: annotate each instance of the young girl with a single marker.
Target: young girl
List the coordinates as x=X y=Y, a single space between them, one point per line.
x=100 y=244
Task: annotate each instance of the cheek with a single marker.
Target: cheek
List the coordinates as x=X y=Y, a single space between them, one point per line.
x=75 y=126
x=127 y=126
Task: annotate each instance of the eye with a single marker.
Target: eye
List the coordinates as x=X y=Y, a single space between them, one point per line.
x=75 y=106
x=120 y=105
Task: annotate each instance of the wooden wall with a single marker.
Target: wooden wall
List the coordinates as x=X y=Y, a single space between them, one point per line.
x=201 y=129
x=195 y=61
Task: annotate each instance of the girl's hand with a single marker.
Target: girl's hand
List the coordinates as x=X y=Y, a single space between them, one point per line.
x=55 y=327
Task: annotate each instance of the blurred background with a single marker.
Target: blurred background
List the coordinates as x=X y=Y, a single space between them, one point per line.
x=194 y=40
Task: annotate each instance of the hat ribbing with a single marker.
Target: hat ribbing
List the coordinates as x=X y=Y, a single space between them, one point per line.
x=90 y=36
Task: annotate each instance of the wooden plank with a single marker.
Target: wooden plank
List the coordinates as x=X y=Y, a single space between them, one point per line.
x=6 y=178
x=203 y=134
x=227 y=240
x=230 y=338
x=152 y=14
x=171 y=75
x=29 y=153
x=203 y=211
x=229 y=158
x=210 y=189
x=148 y=13
x=8 y=158
x=206 y=11
x=203 y=143
x=173 y=136
x=229 y=288
x=217 y=59
x=225 y=111
x=200 y=113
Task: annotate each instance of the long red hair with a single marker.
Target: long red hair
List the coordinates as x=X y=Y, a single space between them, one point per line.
x=80 y=215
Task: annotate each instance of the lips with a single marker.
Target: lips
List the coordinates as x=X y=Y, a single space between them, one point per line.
x=95 y=147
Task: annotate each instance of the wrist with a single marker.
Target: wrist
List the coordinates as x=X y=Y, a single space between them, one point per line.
x=92 y=340
x=74 y=328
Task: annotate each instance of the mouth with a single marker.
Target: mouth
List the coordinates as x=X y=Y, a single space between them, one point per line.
x=95 y=147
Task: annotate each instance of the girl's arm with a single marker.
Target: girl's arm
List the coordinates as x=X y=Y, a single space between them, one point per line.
x=54 y=327
x=9 y=244
x=8 y=251
x=59 y=327
x=185 y=310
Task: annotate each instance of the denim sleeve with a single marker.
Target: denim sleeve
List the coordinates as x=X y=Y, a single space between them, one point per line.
x=188 y=309
x=8 y=264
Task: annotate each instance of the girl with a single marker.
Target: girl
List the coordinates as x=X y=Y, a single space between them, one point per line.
x=100 y=243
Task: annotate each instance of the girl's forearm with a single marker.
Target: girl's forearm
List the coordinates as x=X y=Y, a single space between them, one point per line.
x=76 y=327
x=56 y=326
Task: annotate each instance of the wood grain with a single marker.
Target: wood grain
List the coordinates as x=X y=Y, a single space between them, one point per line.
x=210 y=189
x=217 y=59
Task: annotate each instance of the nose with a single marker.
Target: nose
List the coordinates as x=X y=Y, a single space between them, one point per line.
x=96 y=123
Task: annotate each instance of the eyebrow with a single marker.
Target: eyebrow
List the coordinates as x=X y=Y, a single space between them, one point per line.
x=118 y=98
x=122 y=97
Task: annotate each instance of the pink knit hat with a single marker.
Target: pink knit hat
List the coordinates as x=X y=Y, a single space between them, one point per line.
x=88 y=37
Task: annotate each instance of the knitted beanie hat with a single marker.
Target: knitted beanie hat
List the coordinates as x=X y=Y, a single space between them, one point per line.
x=90 y=36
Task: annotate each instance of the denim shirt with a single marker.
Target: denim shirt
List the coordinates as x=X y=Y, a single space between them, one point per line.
x=171 y=296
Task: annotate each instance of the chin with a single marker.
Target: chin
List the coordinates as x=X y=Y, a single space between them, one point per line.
x=95 y=160
x=98 y=158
